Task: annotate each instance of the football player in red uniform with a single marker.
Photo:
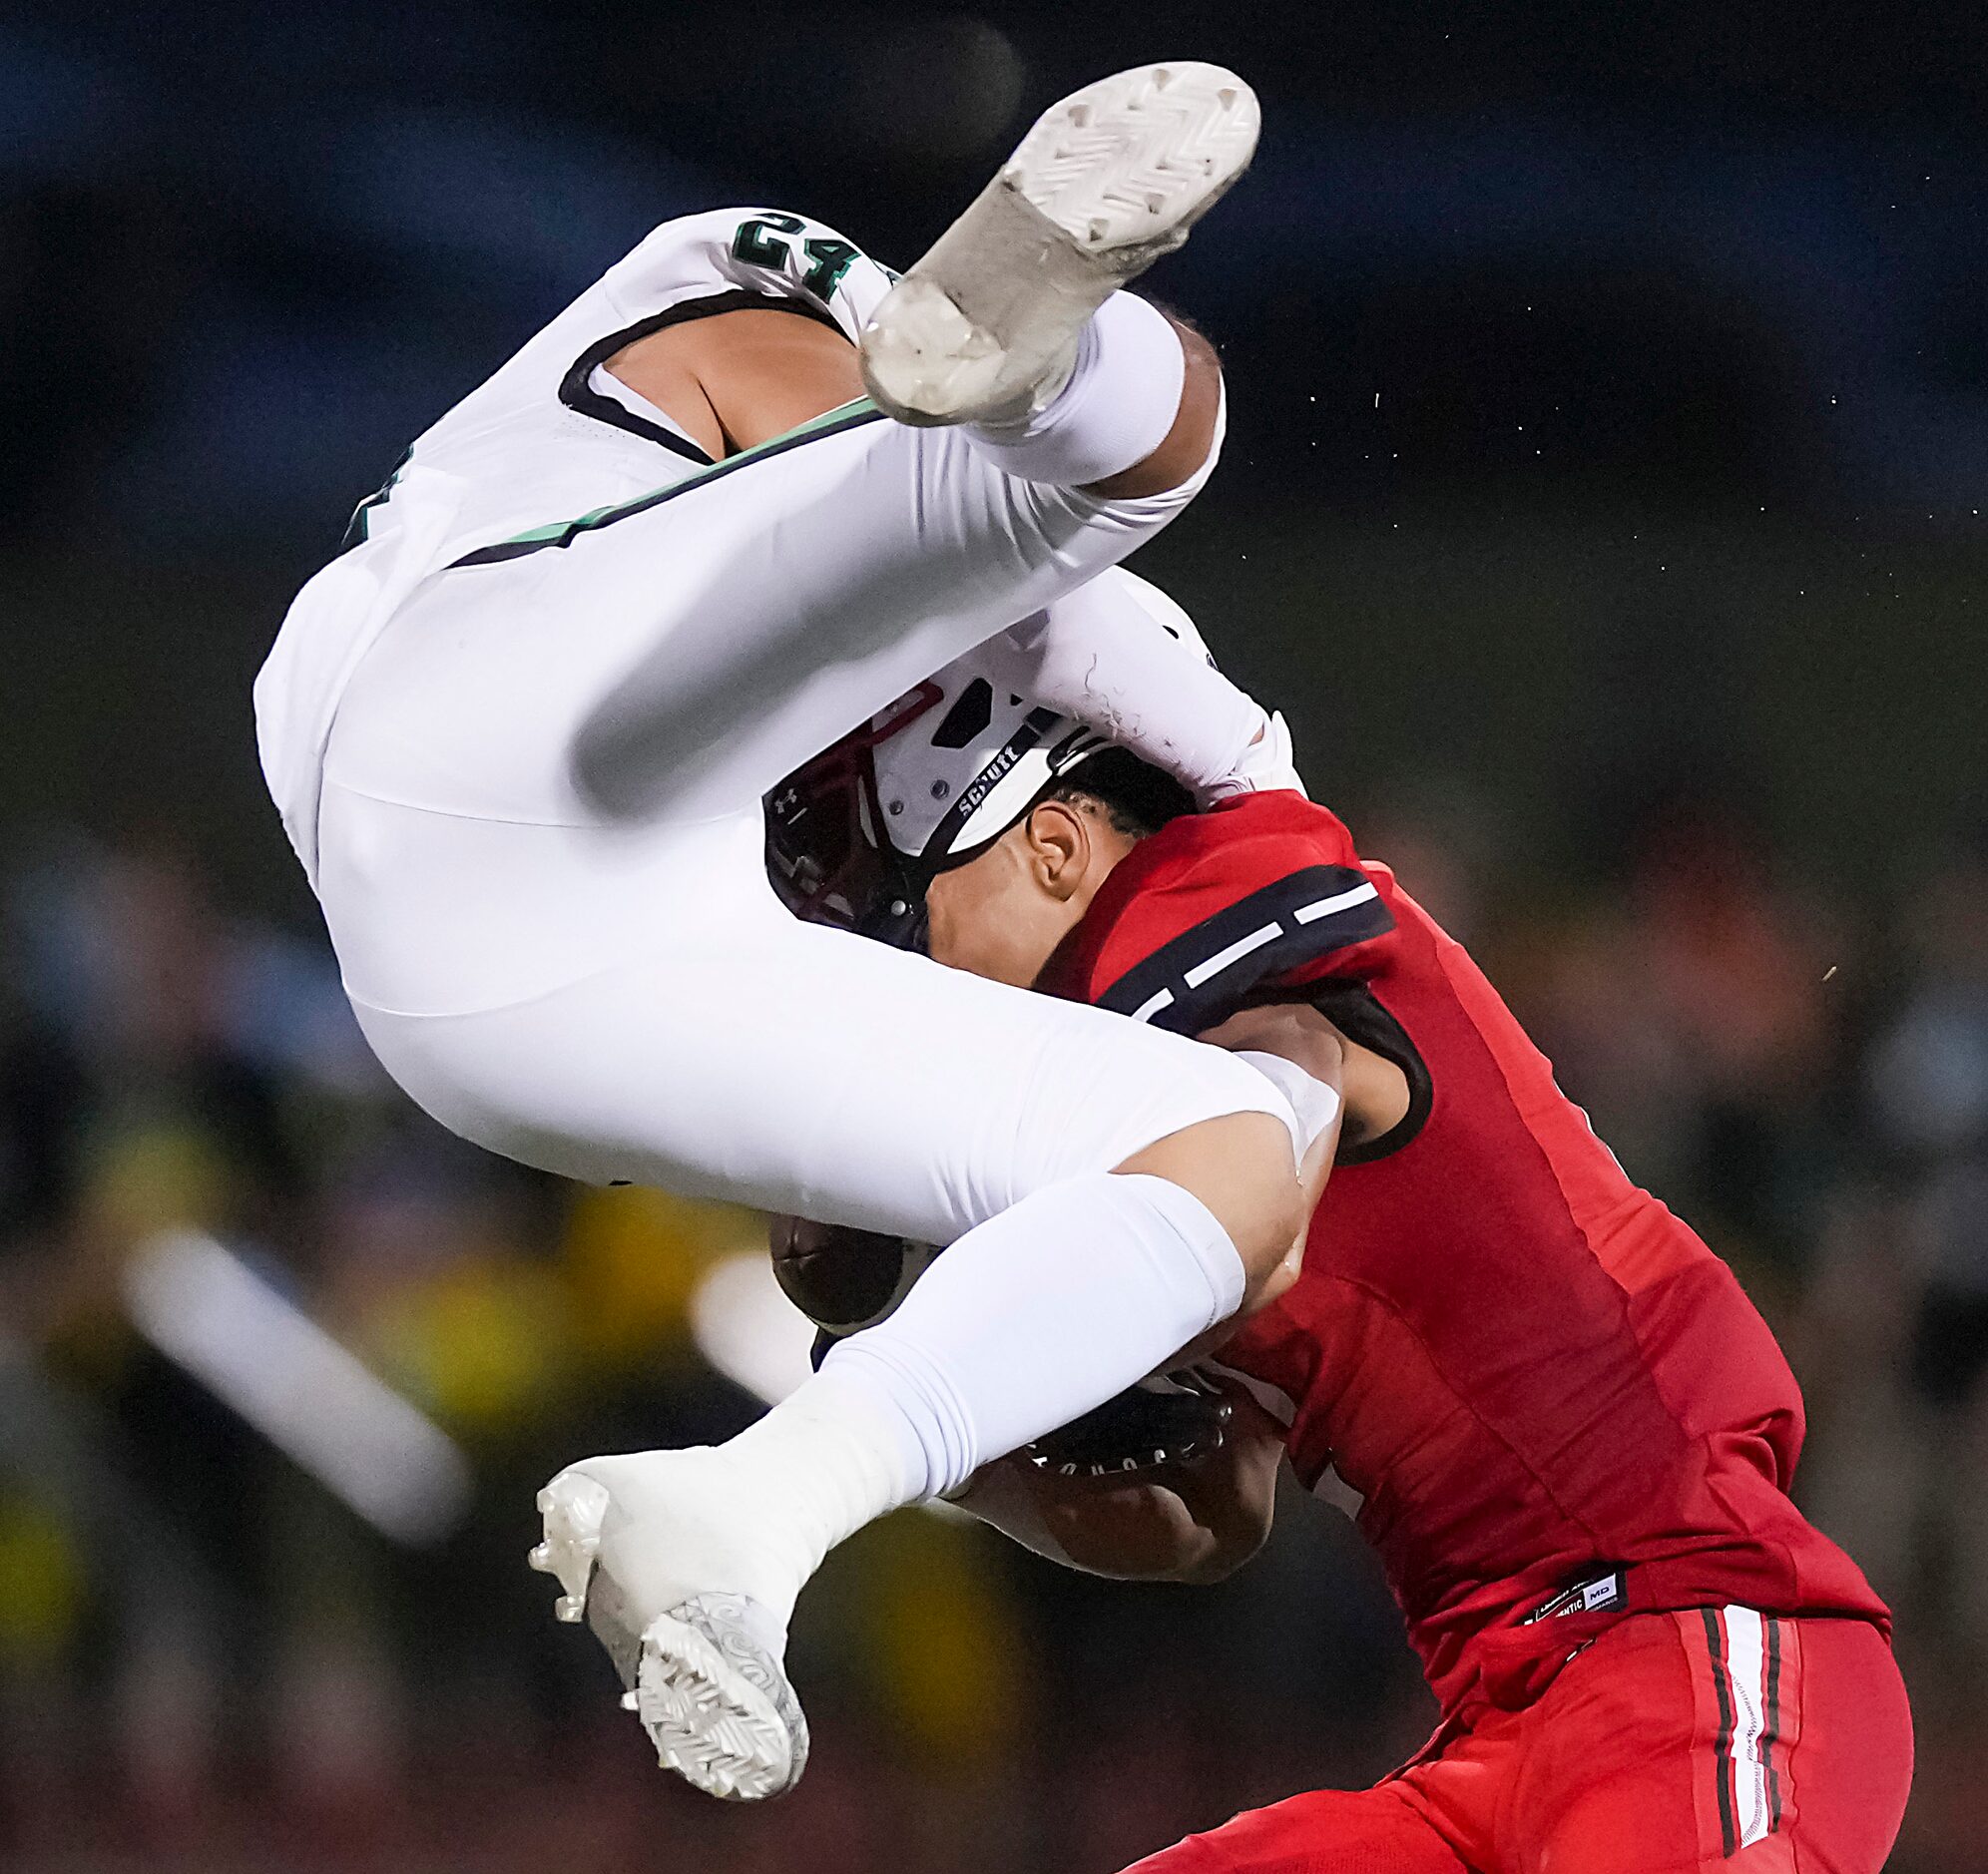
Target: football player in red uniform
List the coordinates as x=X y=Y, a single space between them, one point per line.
x=1569 y=1434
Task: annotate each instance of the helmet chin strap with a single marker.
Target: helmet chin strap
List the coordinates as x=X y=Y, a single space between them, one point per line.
x=898 y=916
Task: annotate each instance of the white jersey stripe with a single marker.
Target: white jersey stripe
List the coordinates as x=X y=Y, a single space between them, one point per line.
x=1339 y=901
x=1746 y=1668
x=1152 y=1006
x=1234 y=953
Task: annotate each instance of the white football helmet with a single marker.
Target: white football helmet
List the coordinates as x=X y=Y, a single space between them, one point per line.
x=855 y=836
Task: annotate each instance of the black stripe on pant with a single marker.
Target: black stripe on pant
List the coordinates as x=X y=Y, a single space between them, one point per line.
x=1770 y=1735
x=1715 y=1640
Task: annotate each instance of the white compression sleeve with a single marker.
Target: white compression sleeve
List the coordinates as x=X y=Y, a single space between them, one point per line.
x=1115 y=408
x=1119 y=655
x=1314 y=1104
x=1041 y=1314
x=1025 y=1323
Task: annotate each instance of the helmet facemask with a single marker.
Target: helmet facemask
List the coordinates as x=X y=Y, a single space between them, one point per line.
x=855 y=836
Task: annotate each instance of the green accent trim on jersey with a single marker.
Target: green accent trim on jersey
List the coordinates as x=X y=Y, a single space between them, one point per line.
x=360 y=528
x=562 y=532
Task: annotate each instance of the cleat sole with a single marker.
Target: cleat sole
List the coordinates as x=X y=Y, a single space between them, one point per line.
x=714 y=1700
x=717 y=1704
x=1131 y=162
x=1101 y=187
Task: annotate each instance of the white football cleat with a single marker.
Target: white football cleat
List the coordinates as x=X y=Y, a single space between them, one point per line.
x=648 y=1550
x=984 y=327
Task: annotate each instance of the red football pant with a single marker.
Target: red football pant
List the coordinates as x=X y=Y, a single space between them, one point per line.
x=1677 y=1743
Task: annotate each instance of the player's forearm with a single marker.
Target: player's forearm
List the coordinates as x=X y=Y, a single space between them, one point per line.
x=1297 y=1034
x=1192 y=1519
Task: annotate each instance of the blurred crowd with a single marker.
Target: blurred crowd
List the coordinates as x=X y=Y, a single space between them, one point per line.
x=209 y=1658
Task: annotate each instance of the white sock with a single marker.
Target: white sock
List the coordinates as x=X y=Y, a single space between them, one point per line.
x=1025 y=1323
x=831 y=1459
x=1113 y=410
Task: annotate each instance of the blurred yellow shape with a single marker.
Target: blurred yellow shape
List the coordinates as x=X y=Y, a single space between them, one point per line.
x=632 y=1257
x=482 y=1345
x=946 y=1646
x=41 y=1583
x=153 y=1177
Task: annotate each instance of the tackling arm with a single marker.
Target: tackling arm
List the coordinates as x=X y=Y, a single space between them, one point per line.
x=1193 y=1520
x=1294 y=1032
x=1199 y=1518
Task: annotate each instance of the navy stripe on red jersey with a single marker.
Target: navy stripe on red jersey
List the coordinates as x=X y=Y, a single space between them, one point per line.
x=1206 y=974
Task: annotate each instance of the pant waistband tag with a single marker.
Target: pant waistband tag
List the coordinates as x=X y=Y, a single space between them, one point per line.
x=1599 y=1594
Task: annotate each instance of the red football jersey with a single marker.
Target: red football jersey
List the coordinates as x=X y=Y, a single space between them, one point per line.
x=1528 y=1369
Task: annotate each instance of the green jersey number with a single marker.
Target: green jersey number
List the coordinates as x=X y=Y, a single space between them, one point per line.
x=768 y=241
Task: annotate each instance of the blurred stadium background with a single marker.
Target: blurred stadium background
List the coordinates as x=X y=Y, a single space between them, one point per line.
x=1603 y=503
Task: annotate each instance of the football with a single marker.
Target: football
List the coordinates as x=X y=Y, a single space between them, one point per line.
x=844 y=1280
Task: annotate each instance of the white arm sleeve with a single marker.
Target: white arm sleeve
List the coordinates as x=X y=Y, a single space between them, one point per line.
x=1119 y=655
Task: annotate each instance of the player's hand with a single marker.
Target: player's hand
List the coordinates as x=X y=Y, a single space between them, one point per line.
x=1253 y=1437
x=1294 y=1030
x=1194 y=1518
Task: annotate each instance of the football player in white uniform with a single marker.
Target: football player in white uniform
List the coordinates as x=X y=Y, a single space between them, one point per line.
x=519 y=733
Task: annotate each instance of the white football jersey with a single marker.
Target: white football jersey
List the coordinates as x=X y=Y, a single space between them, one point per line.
x=549 y=438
